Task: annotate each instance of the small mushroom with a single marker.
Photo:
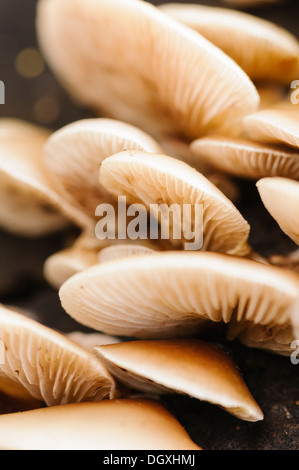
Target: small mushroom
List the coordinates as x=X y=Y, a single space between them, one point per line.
x=274 y=126
x=247 y=159
x=158 y=181
x=83 y=253
x=29 y=205
x=280 y=196
x=174 y=294
x=192 y=367
x=108 y=425
x=156 y=74
x=263 y=50
x=74 y=153
x=50 y=367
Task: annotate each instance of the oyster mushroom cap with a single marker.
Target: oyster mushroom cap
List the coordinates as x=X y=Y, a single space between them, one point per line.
x=158 y=181
x=192 y=367
x=73 y=155
x=261 y=48
x=174 y=294
x=280 y=196
x=107 y=425
x=30 y=205
x=49 y=366
x=276 y=126
x=247 y=159
x=169 y=80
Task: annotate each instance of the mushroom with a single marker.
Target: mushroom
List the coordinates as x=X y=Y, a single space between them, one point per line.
x=280 y=196
x=108 y=425
x=156 y=74
x=245 y=158
x=192 y=367
x=263 y=50
x=73 y=155
x=174 y=294
x=88 y=341
x=160 y=183
x=274 y=126
x=50 y=367
x=29 y=204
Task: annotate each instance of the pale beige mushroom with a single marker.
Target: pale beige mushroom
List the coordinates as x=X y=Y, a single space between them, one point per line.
x=120 y=251
x=191 y=367
x=29 y=205
x=247 y=159
x=108 y=425
x=280 y=196
x=88 y=341
x=84 y=252
x=274 y=126
x=176 y=293
x=160 y=182
x=74 y=153
x=156 y=74
x=50 y=367
x=264 y=50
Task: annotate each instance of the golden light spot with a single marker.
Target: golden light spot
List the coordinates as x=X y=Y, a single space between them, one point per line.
x=29 y=63
x=46 y=110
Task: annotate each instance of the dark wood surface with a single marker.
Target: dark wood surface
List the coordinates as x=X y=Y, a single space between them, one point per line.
x=273 y=380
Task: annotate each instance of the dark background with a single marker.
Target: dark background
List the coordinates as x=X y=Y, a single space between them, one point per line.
x=273 y=380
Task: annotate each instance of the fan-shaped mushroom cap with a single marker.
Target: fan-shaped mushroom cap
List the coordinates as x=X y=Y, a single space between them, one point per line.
x=281 y=198
x=158 y=179
x=73 y=155
x=83 y=253
x=263 y=50
x=29 y=205
x=274 y=126
x=191 y=367
x=157 y=74
x=108 y=425
x=173 y=294
x=50 y=367
x=247 y=159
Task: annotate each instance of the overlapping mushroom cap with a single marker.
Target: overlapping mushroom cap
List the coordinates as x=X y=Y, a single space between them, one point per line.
x=29 y=204
x=281 y=198
x=159 y=181
x=247 y=159
x=108 y=425
x=48 y=366
x=193 y=367
x=174 y=294
x=261 y=48
x=276 y=126
x=156 y=74
x=74 y=153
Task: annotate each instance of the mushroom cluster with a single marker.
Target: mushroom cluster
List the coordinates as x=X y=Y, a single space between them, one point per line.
x=185 y=100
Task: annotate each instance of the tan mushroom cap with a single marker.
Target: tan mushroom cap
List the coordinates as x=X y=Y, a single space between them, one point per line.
x=157 y=74
x=158 y=179
x=108 y=425
x=280 y=196
x=73 y=155
x=50 y=367
x=261 y=48
x=84 y=252
x=175 y=293
x=192 y=367
x=276 y=126
x=247 y=159
x=30 y=205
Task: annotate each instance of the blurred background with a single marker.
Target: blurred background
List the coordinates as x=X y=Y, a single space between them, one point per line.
x=33 y=94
